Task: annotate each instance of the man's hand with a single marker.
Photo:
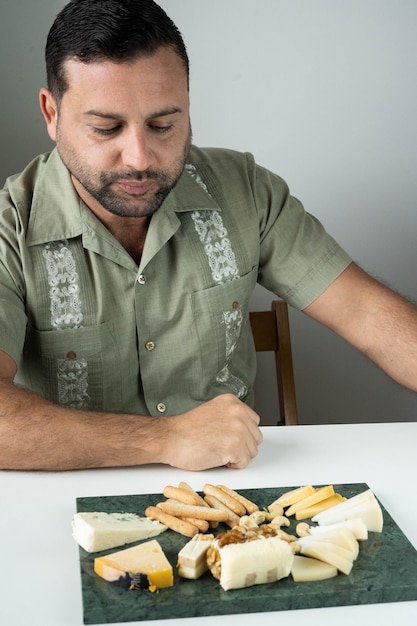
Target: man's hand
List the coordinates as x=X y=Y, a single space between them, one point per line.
x=223 y=431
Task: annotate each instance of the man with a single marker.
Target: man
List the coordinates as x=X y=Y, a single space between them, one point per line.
x=128 y=259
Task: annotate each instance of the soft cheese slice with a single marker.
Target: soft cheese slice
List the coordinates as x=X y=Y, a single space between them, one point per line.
x=101 y=531
x=305 y=568
x=364 y=505
x=146 y=558
x=356 y=525
x=329 y=553
x=255 y=562
x=320 y=494
x=312 y=510
x=360 y=498
x=192 y=558
x=342 y=537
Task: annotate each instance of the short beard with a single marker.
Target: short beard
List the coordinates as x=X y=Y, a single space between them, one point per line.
x=108 y=199
x=117 y=205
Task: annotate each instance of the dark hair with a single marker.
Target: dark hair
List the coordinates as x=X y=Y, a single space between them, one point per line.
x=118 y=30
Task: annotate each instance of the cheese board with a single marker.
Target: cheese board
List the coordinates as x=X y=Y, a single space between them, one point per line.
x=385 y=571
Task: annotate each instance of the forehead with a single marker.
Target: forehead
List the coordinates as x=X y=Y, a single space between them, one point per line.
x=159 y=75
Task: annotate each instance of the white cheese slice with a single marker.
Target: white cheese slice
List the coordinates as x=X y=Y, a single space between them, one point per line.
x=192 y=558
x=356 y=525
x=341 y=537
x=100 y=531
x=364 y=505
x=329 y=553
x=305 y=568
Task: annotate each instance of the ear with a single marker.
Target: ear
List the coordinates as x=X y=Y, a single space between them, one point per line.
x=49 y=110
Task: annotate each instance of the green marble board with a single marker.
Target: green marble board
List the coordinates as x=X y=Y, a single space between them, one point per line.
x=385 y=571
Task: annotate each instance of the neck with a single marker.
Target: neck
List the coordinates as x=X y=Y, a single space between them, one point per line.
x=130 y=232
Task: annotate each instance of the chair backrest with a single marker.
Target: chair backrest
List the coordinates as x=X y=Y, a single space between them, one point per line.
x=271 y=332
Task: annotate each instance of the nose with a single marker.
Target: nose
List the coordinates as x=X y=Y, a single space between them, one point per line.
x=136 y=152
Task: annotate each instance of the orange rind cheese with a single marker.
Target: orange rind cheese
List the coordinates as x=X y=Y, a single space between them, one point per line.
x=147 y=558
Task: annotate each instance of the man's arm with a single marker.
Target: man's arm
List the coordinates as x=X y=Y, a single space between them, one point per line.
x=38 y=435
x=374 y=319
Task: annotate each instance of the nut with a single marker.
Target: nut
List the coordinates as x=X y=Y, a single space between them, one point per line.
x=273 y=510
x=258 y=517
x=302 y=529
x=280 y=520
x=247 y=521
x=283 y=535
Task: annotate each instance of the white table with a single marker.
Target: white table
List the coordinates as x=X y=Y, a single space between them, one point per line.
x=39 y=570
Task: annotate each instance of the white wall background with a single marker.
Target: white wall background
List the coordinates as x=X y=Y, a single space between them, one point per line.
x=324 y=92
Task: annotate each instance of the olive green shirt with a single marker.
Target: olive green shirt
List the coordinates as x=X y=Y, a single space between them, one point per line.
x=88 y=328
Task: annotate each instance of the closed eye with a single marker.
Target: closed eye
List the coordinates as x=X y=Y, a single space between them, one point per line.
x=161 y=129
x=106 y=132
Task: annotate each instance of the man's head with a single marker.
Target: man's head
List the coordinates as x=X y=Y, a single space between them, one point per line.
x=117 y=103
x=113 y=30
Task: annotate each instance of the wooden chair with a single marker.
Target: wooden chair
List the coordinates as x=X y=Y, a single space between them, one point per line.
x=271 y=332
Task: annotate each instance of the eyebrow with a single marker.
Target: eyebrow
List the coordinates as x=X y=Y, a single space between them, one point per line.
x=116 y=116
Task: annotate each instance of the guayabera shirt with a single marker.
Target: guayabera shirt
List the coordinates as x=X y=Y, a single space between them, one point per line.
x=88 y=328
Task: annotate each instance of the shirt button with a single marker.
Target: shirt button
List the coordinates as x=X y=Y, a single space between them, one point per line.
x=161 y=407
x=141 y=279
x=71 y=355
x=235 y=304
x=150 y=345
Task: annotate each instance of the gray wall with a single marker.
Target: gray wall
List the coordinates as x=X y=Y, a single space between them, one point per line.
x=323 y=92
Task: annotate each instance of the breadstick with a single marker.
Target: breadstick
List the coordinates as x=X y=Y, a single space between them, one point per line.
x=201 y=524
x=202 y=502
x=232 y=519
x=182 y=495
x=250 y=507
x=174 y=523
x=186 y=486
x=230 y=502
x=188 y=510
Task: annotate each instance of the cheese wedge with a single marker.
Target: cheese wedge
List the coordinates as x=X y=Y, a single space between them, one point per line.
x=329 y=553
x=294 y=495
x=147 y=558
x=320 y=494
x=101 y=531
x=364 y=505
x=323 y=505
x=305 y=568
x=192 y=558
x=355 y=525
x=342 y=537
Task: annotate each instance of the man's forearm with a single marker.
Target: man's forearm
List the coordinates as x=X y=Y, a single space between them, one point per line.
x=38 y=435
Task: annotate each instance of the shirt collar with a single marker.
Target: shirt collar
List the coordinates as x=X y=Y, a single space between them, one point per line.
x=58 y=212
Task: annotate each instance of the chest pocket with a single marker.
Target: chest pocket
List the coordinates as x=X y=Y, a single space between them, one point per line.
x=220 y=317
x=77 y=368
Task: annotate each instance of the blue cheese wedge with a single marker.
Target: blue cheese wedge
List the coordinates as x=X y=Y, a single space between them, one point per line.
x=100 y=531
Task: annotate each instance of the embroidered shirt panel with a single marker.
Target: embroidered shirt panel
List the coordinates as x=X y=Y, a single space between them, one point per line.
x=89 y=328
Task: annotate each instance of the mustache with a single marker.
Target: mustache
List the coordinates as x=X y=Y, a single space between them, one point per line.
x=137 y=175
